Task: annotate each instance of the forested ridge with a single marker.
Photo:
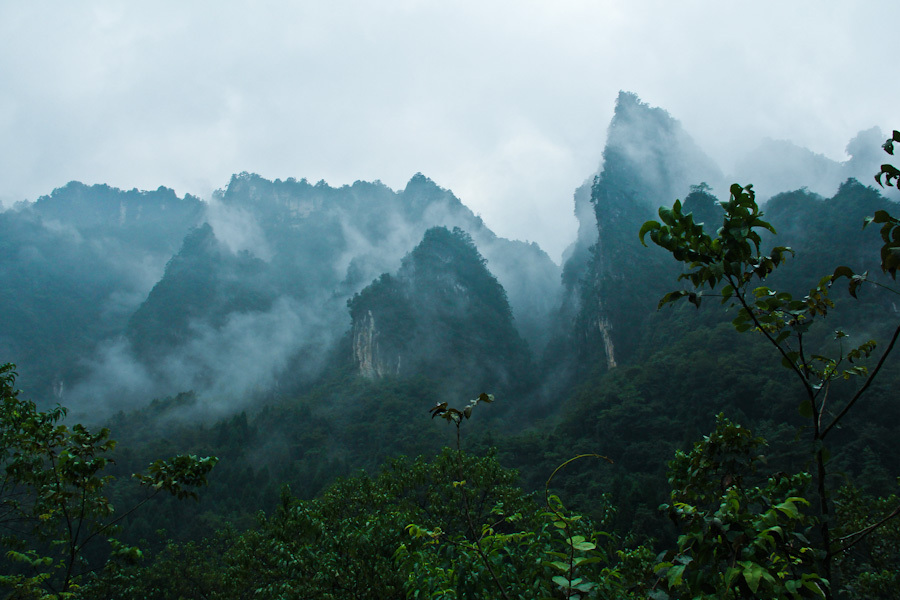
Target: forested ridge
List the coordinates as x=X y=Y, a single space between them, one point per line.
x=719 y=425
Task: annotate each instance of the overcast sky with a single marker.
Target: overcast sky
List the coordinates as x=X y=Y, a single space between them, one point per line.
x=506 y=103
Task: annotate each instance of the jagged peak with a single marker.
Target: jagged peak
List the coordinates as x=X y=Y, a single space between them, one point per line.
x=420 y=180
x=649 y=156
x=421 y=187
x=200 y=239
x=630 y=112
x=444 y=247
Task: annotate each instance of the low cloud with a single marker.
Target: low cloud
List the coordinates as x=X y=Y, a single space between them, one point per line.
x=228 y=367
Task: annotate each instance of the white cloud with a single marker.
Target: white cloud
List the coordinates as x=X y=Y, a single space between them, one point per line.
x=185 y=94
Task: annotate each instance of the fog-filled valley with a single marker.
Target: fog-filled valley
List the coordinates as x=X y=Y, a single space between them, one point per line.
x=301 y=333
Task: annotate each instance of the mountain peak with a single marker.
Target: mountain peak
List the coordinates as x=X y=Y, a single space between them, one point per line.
x=419 y=184
x=443 y=315
x=650 y=156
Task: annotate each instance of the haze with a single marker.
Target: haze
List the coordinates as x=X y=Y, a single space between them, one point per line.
x=505 y=103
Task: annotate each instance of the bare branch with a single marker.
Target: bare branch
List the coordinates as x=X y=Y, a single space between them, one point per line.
x=865 y=386
x=862 y=533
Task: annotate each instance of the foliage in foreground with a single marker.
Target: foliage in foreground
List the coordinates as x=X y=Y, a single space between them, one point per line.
x=731 y=265
x=459 y=527
x=54 y=514
x=403 y=532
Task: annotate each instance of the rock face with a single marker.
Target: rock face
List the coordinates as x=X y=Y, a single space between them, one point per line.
x=611 y=280
x=443 y=315
x=368 y=353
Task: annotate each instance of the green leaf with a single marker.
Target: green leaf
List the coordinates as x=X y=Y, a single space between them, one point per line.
x=752 y=575
x=727 y=292
x=814 y=587
x=588 y=560
x=556 y=564
x=584 y=546
x=671 y=297
x=646 y=228
x=788 y=508
x=674 y=575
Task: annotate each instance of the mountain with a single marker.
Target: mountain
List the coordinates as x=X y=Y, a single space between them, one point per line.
x=129 y=295
x=147 y=221
x=241 y=297
x=611 y=281
x=203 y=283
x=442 y=315
x=80 y=261
x=777 y=166
x=341 y=238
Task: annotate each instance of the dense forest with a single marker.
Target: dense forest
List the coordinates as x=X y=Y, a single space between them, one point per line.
x=299 y=391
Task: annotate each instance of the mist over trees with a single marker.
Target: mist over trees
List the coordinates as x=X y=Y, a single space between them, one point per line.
x=265 y=269
x=301 y=332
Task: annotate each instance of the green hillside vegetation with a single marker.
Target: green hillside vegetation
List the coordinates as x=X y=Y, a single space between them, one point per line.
x=446 y=317
x=79 y=262
x=202 y=285
x=790 y=525
x=720 y=425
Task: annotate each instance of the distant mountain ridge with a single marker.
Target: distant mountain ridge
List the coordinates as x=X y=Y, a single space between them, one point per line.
x=130 y=294
x=218 y=277
x=75 y=264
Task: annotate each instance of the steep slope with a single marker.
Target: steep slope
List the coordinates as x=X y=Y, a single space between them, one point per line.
x=648 y=161
x=342 y=238
x=80 y=261
x=261 y=289
x=443 y=315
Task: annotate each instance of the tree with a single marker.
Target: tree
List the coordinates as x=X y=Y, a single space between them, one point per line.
x=52 y=503
x=732 y=267
x=743 y=534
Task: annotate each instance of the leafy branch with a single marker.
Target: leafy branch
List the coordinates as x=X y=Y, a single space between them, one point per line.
x=732 y=263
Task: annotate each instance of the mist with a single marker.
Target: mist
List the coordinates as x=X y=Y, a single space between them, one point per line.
x=229 y=367
x=251 y=303
x=513 y=118
x=281 y=258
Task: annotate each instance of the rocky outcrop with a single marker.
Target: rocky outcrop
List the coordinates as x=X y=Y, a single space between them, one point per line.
x=612 y=282
x=443 y=316
x=367 y=352
x=605 y=328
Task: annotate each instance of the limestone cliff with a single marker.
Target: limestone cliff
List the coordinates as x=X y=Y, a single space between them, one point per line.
x=373 y=360
x=611 y=280
x=442 y=315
